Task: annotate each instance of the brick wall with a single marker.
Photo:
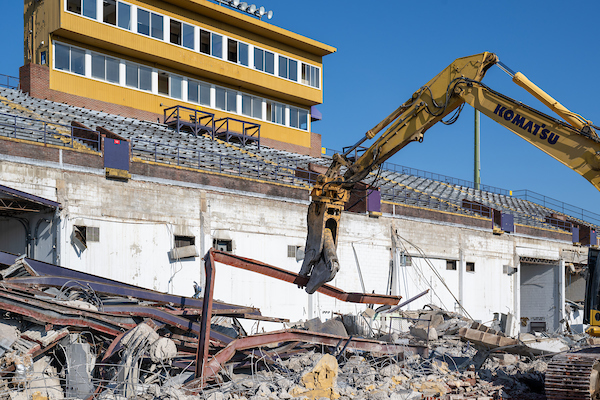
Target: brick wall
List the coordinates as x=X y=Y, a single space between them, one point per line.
x=35 y=80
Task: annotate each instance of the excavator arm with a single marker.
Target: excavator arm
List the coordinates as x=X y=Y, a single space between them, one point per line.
x=575 y=144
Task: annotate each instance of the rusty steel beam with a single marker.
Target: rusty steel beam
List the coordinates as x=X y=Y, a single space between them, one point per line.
x=296 y=335
x=204 y=333
x=118 y=289
x=287 y=276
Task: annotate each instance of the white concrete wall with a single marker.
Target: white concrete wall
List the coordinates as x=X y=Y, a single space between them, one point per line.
x=138 y=219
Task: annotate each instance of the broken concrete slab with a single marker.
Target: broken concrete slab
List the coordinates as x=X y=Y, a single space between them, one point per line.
x=423 y=332
x=486 y=339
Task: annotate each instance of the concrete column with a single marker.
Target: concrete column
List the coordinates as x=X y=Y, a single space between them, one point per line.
x=461 y=278
x=516 y=328
x=561 y=292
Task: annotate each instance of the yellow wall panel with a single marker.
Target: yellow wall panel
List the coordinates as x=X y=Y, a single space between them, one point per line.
x=177 y=59
x=90 y=88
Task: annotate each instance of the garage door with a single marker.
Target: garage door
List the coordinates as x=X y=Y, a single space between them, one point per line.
x=539 y=297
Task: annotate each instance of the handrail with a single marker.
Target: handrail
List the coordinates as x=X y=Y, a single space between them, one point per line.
x=7 y=79
x=50 y=129
x=432 y=175
x=558 y=206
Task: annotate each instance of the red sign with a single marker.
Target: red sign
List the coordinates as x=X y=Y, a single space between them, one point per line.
x=117 y=141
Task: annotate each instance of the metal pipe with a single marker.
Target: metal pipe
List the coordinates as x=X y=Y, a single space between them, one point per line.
x=477 y=177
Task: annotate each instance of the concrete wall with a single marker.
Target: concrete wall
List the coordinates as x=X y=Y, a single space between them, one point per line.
x=138 y=219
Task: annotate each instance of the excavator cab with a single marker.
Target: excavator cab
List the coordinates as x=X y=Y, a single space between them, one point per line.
x=591 y=314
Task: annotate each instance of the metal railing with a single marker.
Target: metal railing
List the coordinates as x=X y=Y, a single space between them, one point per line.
x=558 y=206
x=40 y=131
x=401 y=169
x=7 y=81
x=246 y=131
x=196 y=119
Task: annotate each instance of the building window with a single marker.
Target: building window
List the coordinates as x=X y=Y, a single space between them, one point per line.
x=138 y=77
x=143 y=20
x=175 y=32
x=199 y=93
x=451 y=265
x=216 y=45
x=252 y=106
x=157 y=26
x=259 y=58
x=226 y=99
x=204 y=42
x=62 y=57
x=298 y=118
x=243 y=54
x=223 y=245
x=89 y=8
x=109 y=11
x=124 y=16
x=69 y=59
x=220 y=98
x=188 y=36
x=131 y=75
x=310 y=75
x=145 y=78
x=183 y=241
x=78 y=61
x=85 y=234
x=264 y=60
x=470 y=267
x=43 y=58
x=283 y=67
x=176 y=83
x=269 y=62
x=275 y=112
x=86 y=8
x=74 y=6
x=293 y=70
x=105 y=68
x=291 y=251
x=163 y=83
x=232 y=50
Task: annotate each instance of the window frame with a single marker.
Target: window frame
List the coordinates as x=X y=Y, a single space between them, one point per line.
x=104 y=14
x=151 y=29
x=145 y=81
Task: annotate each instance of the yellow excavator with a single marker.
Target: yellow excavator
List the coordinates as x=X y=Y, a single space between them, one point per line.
x=572 y=141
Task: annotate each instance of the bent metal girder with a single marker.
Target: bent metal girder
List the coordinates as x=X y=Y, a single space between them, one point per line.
x=295 y=335
x=205 y=370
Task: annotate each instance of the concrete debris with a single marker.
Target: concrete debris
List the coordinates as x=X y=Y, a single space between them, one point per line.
x=102 y=339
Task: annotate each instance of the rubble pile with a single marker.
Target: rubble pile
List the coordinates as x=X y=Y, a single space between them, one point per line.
x=69 y=335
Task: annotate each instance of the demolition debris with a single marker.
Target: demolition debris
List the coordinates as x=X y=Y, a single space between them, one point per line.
x=65 y=334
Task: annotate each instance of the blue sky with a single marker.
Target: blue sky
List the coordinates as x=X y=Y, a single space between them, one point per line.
x=387 y=50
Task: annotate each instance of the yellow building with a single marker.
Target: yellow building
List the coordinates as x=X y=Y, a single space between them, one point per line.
x=138 y=58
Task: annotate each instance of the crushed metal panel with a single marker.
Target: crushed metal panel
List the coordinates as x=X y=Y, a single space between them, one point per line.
x=80 y=363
